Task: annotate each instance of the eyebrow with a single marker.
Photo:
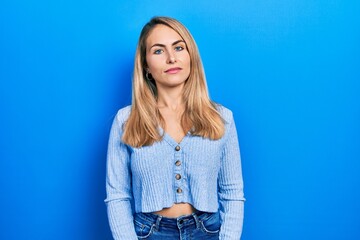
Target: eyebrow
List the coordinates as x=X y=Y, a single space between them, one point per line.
x=162 y=45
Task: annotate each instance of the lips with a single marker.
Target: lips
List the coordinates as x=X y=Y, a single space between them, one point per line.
x=173 y=70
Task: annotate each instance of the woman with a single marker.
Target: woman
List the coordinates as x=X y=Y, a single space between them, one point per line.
x=173 y=167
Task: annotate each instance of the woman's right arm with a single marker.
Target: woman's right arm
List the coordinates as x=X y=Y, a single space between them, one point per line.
x=118 y=185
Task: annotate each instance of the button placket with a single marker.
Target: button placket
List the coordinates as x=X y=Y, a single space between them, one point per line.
x=178 y=176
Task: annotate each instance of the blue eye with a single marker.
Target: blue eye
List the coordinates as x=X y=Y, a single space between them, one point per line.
x=158 y=51
x=179 y=48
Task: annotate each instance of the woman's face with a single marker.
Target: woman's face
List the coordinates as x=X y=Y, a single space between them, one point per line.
x=167 y=58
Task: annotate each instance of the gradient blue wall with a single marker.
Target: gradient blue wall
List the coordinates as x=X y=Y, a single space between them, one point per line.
x=288 y=69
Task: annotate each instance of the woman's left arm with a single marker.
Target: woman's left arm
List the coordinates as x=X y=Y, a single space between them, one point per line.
x=230 y=182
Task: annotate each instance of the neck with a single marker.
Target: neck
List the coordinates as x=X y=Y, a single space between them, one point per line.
x=170 y=98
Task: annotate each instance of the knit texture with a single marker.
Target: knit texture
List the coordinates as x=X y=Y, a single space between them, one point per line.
x=205 y=173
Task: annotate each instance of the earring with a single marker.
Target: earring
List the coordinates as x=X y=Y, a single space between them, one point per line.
x=147 y=75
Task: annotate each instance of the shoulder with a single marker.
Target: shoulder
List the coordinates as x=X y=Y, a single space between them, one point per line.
x=123 y=114
x=225 y=113
x=229 y=122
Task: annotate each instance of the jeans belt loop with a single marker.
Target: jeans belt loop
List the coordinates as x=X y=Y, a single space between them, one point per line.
x=196 y=218
x=157 y=224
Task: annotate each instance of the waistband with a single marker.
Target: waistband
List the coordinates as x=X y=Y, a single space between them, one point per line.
x=185 y=220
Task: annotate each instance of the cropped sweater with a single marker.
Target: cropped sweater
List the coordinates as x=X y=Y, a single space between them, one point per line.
x=202 y=172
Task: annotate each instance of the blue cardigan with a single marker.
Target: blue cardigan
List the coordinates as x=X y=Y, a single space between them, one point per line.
x=205 y=173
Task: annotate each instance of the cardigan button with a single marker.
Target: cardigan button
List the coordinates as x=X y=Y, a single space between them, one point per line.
x=179 y=190
x=177 y=148
x=178 y=163
x=178 y=176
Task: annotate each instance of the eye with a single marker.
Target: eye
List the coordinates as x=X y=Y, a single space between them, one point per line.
x=158 y=51
x=179 y=48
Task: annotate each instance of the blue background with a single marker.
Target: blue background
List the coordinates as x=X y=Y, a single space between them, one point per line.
x=288 y=69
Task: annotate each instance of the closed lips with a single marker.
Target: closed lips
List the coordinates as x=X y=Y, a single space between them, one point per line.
x=173 y=70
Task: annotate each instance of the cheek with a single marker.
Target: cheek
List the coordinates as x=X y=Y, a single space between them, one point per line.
x=154 y=64
x=188 y=61
x=188 y=64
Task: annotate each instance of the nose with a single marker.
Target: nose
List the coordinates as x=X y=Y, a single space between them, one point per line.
x=171 y=58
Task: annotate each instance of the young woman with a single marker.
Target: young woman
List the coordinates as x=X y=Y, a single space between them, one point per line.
x=173 y=166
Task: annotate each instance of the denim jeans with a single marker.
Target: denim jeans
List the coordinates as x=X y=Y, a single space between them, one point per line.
x=197 y=226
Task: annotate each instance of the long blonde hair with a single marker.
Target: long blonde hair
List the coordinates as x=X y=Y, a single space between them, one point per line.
x=141 y=128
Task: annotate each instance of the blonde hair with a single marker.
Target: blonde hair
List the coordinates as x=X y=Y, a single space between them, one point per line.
x=142 y=126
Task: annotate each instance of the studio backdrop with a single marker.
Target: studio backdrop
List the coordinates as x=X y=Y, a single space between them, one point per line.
x=288 y=69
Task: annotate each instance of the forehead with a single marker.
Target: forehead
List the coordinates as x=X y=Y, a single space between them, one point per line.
x=162 y=34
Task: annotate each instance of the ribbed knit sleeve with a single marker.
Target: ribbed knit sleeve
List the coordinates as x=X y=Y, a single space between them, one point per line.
x=230 y=183
x=118 y=184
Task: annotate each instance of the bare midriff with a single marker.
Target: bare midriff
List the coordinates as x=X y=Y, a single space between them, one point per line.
x=176 y=210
